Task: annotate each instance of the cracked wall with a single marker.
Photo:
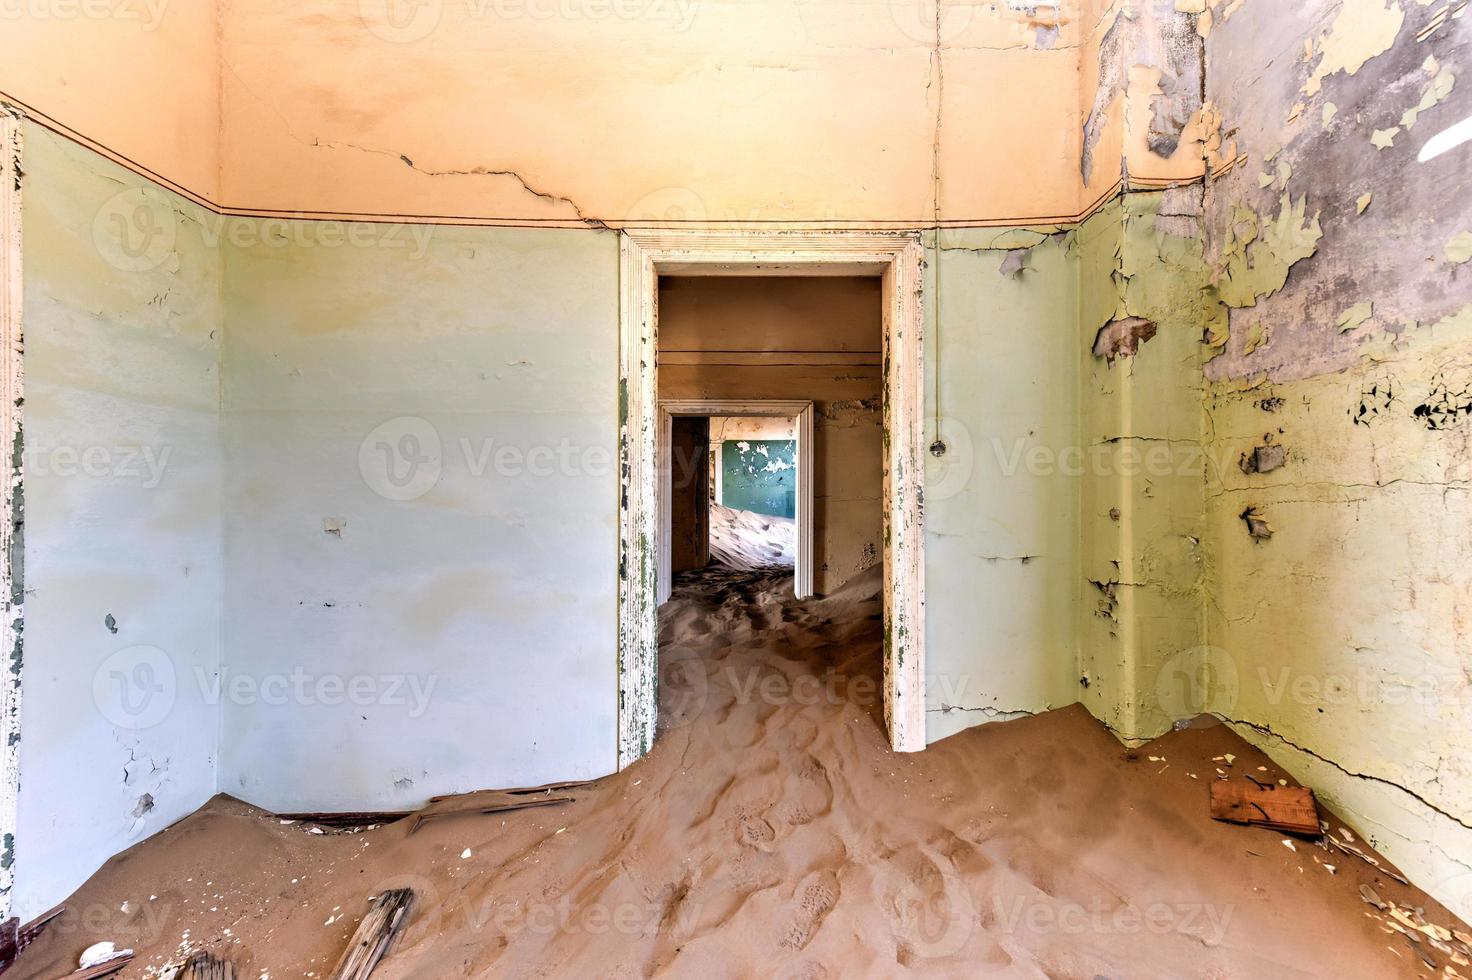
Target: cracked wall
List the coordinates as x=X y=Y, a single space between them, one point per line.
x=708 y=112
x=1341 y=642
x=1227 y=437
x=1299 y=327
x=122 y=523
x=704 y=111
x=1141 y=513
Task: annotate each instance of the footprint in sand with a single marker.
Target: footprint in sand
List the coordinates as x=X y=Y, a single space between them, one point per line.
x=807 y=792
x=816 y=897
x=753 y=831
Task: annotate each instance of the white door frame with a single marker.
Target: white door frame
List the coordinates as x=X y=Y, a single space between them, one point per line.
x=11 y=577
x=897 y=258
x=802 y=413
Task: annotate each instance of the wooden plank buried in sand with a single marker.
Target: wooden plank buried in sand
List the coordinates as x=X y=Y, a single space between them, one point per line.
x=15 y=937
x=343 y=820
x=204 y=965
x=374 y=935
x=1290 y=809
x=101 y=969
x=496 y=801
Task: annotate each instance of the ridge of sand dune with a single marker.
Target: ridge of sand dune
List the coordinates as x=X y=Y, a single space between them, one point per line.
x=748 y=541
x=771 y=833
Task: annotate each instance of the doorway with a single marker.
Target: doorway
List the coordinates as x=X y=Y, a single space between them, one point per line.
x=673 y=411
x=896 y=260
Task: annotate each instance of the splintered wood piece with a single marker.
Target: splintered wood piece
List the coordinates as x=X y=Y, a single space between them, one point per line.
x=374 y=935
x=494 y=801
x=15 y=937
x=34 y=928
x=204 y=965
x=353 y=820
x=516 y=791
x=1290 y=809
x=1356 y=852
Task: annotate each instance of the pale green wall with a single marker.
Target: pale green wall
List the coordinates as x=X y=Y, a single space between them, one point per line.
x=1001 y=508
x=1142 y=507
x=494 y=589
x=122 y=490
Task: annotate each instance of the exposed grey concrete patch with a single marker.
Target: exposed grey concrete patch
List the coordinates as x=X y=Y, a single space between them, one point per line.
x=1123 y=35
x=1014 y=263
x=1154 y=36
x=1410 y=284
x=1181 y=64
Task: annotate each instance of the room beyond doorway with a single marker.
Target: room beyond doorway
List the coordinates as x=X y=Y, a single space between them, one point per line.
x=684 y=426
x=655 y=264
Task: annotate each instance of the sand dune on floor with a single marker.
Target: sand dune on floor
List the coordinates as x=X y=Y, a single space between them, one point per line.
x=771 y=833
x=748 y=541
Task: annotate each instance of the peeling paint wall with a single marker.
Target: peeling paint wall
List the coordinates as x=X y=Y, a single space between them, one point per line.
x=1207 y=451
x=1001 y=496
x=805 y=338
x=743 y=427
x=1294 y=333
x=421 y=512
x=1143 y=305
x=122 y=519
x=1335 y=415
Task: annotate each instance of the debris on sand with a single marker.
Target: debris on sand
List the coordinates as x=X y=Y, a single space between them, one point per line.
x=375 y=934
x=1290 y=809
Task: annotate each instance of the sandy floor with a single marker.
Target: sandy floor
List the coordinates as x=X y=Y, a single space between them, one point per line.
x=772 y=834
x=747 y=541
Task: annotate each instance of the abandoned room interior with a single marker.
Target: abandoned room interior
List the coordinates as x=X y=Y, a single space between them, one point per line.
x=632 y=488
